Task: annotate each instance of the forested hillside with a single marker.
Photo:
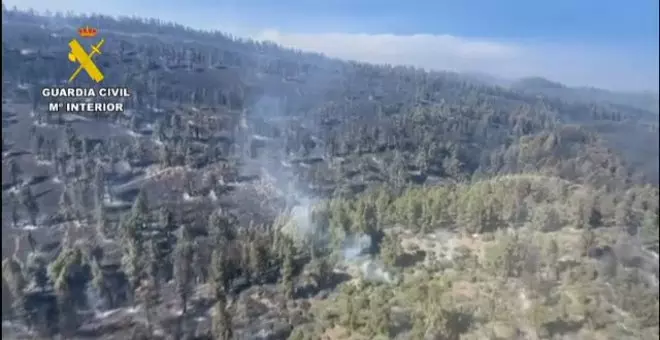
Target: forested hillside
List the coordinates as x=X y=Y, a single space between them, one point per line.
x=255 y=192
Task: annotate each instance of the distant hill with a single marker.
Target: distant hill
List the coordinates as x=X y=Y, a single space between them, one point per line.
x=639 y=100
x=536 y=83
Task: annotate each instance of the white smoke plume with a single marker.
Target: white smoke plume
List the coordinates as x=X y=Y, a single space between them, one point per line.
x=355 y=251
x=298 y=217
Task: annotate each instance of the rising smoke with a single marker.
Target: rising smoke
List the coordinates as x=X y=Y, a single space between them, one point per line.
x=298 y=221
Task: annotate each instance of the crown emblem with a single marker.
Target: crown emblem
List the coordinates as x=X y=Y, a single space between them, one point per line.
x=87 y=32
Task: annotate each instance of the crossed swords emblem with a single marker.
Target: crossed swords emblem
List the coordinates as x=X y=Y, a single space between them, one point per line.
x=78 y=54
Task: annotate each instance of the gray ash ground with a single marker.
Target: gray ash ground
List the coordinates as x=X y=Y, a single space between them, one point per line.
x=259 y=193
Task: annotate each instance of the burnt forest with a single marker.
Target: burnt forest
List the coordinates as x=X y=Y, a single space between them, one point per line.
x=250 y=191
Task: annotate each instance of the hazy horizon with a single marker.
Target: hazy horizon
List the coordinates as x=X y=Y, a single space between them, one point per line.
x=592 y=54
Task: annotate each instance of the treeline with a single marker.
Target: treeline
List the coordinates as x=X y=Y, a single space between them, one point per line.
x=513 y=201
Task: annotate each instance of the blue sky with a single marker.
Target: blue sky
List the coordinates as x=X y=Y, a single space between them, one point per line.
x=604 y=43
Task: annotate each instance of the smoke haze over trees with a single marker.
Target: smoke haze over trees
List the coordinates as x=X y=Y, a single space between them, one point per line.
x=255 y=192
